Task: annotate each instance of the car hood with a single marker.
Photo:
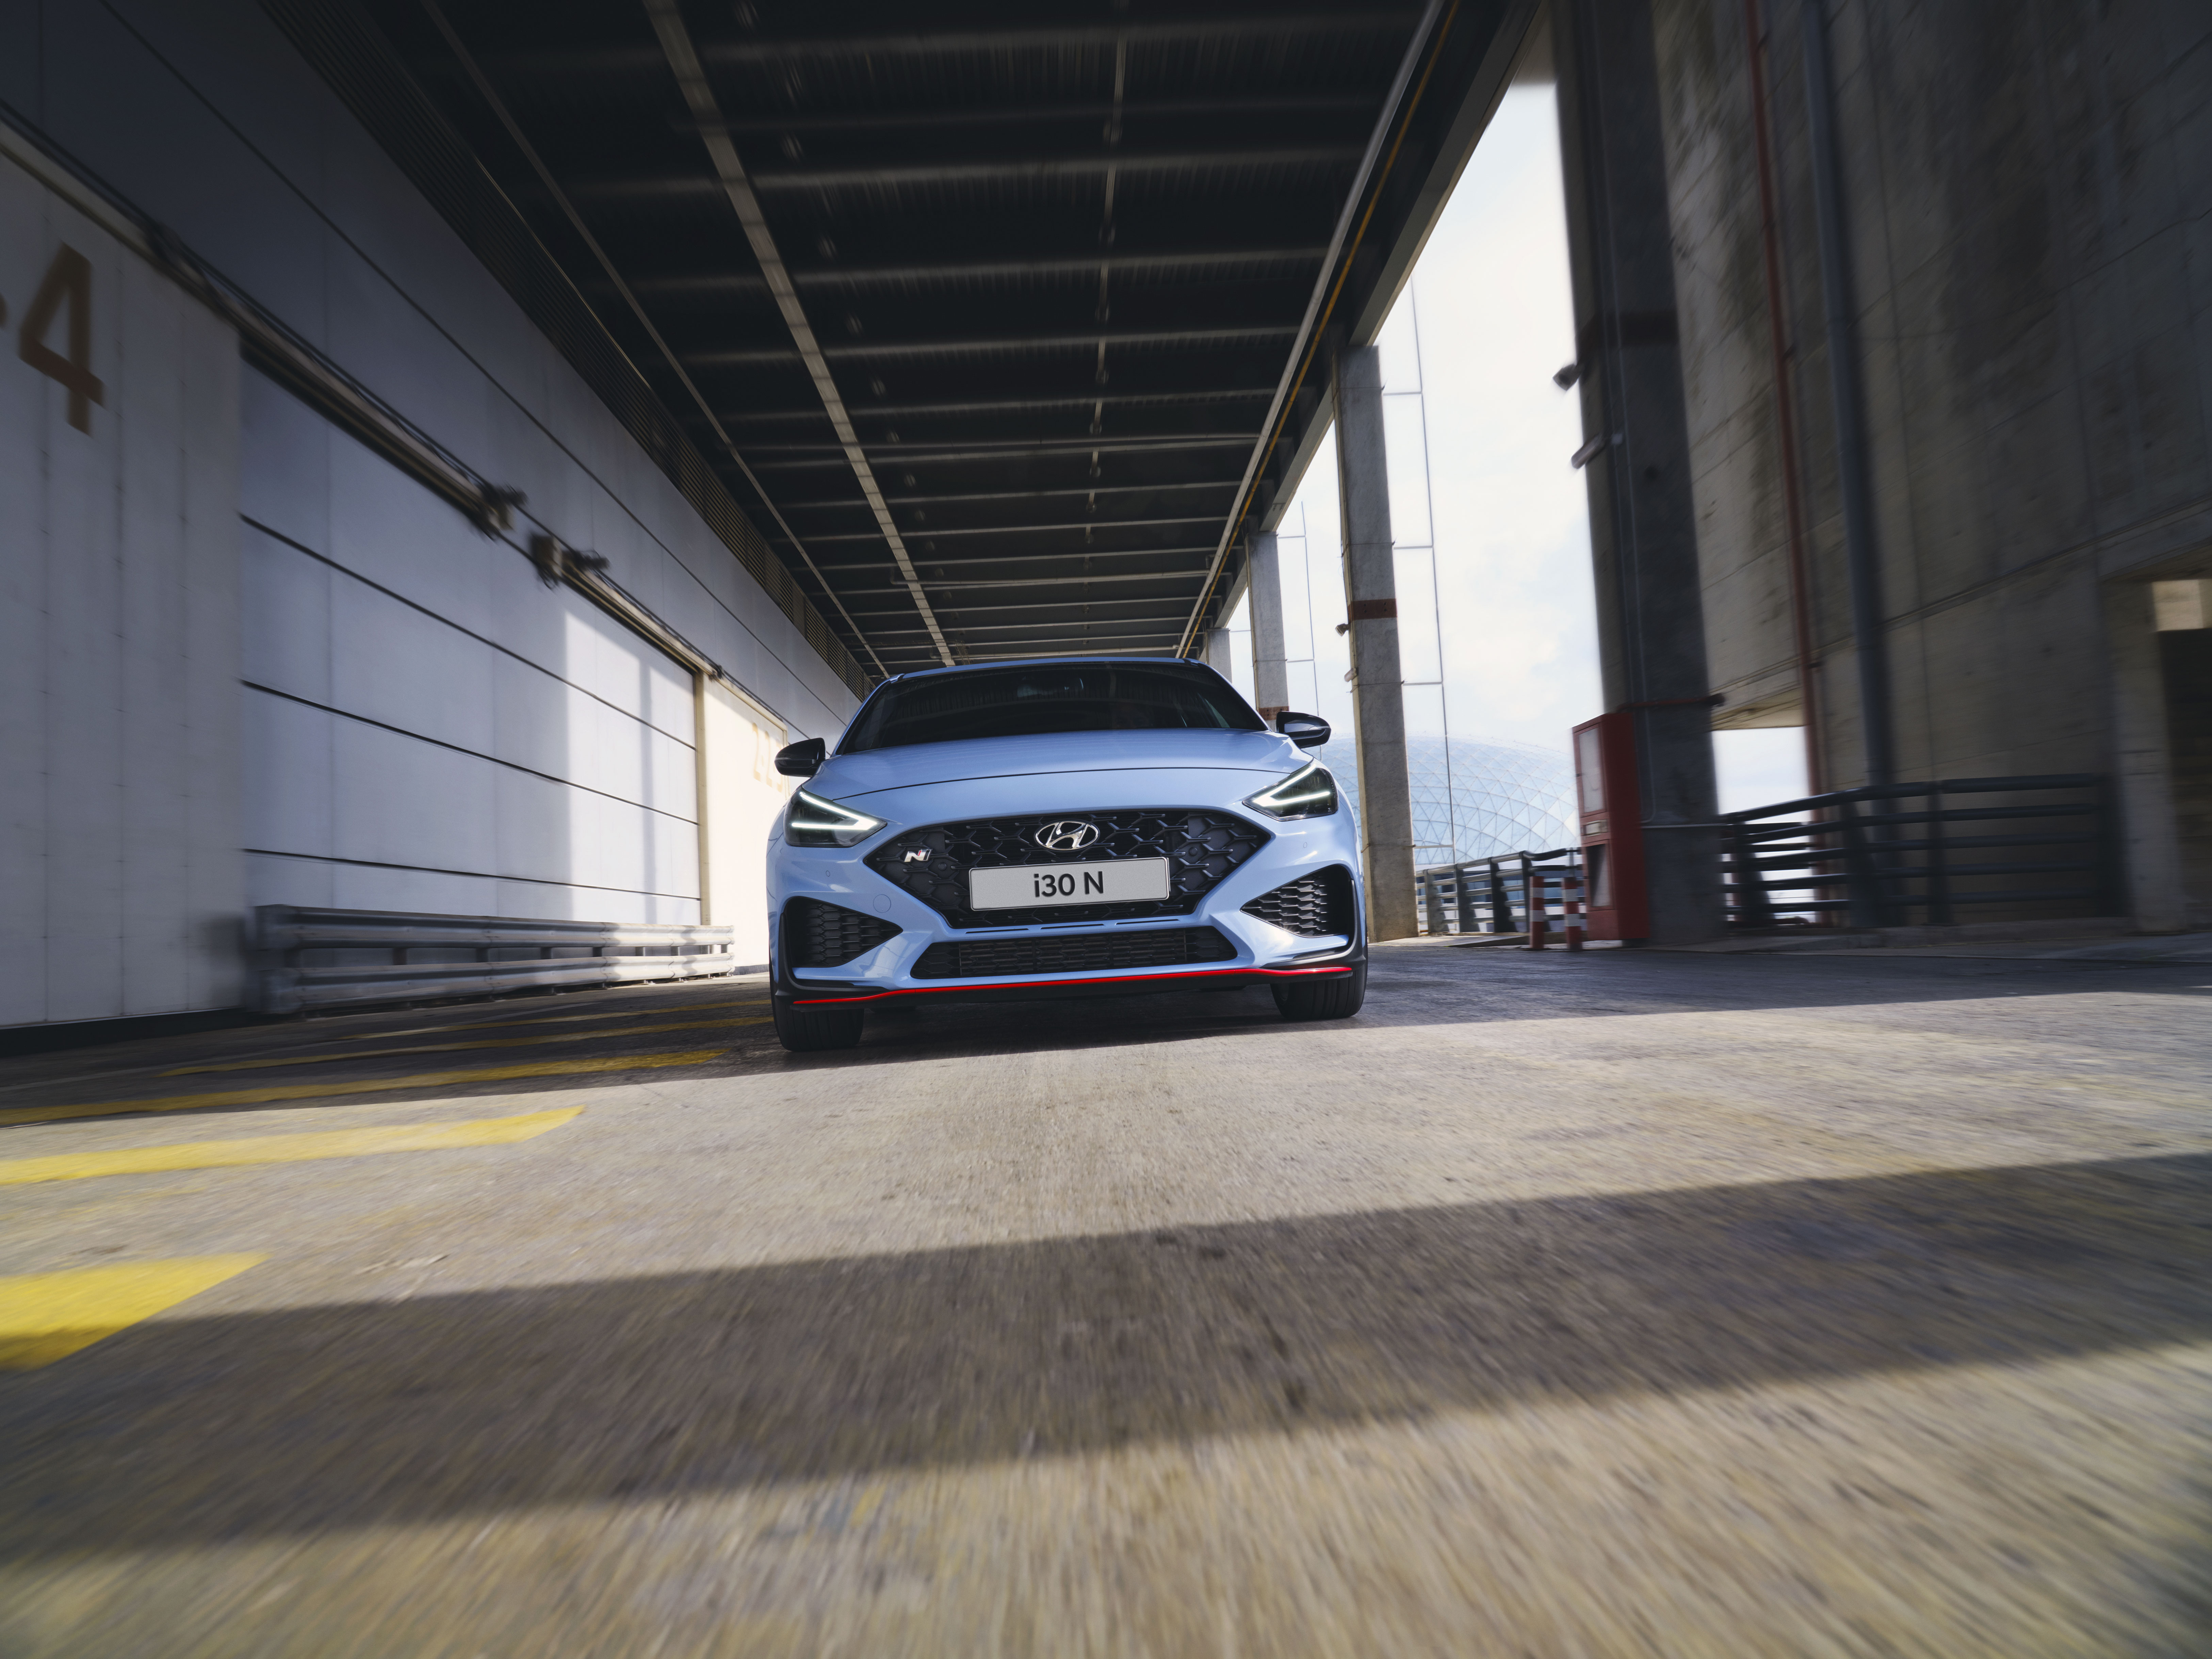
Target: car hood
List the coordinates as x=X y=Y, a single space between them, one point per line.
x=845 y=777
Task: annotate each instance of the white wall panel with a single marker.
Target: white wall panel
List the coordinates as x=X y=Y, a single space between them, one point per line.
x=394 y=664
x=284 y=615
x=541 y=758
x=518 y=773
x=743 y=794
x=275 y=880
x=287 y=489
x=355 y=888
x=289 y=799
x=118 y=850
x=401 y=801
x=485 y=730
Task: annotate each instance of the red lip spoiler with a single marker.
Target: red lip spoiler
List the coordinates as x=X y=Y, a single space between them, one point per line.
x=1118 y=979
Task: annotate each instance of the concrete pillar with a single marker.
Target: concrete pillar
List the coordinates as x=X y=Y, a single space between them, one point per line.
x=1651 y=636
x=1271 y=674
x=1371 y=596
x=1219 y=655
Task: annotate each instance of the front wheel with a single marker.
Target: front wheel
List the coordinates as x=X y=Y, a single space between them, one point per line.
x=1337 y=997
x=804 y=1030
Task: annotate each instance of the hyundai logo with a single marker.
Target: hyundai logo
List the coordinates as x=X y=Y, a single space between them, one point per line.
x=1068 y=836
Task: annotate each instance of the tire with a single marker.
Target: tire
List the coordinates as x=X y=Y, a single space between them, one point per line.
x=804 y=1030
x=1334 y=998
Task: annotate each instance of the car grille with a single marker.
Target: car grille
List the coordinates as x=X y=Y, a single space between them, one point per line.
x=1322 y=903
x=819 y=935
x=1079 y=953
x=1201 y=846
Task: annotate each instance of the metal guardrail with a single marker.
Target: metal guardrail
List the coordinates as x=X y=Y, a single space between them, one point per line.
x=1857 y=851
x=314 y=958
x=1493 y=896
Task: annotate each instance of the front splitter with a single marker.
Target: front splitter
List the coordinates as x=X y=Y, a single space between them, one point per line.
x=1219 y=979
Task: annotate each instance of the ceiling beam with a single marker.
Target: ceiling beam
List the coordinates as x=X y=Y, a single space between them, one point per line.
x=1020 y=495
x=795 y=455
x=938 y=560
x=980 y=115
x=1077 y=400
x=1397 y=112
x=719 y=284
x=506 y=118
x=1074 y=164
x=748 y=356
x=913 y=43
x=934 y=530
x=1162 y=652
x=699 y=98
x=936 y=586
x=1170 y=612
x=1139 y=626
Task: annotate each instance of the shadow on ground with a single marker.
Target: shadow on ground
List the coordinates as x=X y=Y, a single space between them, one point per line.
x=304 y=1421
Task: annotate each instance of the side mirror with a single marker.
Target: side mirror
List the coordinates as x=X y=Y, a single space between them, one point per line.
x=1307 y=731
x=804 y=760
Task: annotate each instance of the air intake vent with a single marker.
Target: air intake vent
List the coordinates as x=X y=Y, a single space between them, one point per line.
x=1313 y=905
x=819 y=935
x=1081 y=954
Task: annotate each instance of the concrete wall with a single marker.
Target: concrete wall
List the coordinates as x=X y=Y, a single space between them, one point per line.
x=426 y=728
x=119 y=887
x=2025 y=185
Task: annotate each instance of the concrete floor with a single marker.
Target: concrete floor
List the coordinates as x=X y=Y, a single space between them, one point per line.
x=1622 y=1303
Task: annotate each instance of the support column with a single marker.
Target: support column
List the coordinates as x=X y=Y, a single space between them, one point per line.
x=1271 y=674
x=1370 y=597
x=1652 y=635
x=1219 y=655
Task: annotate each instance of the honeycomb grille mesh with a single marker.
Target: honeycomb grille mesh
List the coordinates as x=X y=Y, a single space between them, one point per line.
x=1201 y=846
x=1155 y=947
x=820 y=935
x=1312 y=905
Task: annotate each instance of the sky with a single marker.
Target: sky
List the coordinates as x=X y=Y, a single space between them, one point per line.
x=1490 y=302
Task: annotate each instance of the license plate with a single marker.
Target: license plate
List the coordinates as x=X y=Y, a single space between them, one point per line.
x=1117 y=881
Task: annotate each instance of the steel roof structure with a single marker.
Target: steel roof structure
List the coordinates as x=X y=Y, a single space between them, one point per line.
x=1004 y=324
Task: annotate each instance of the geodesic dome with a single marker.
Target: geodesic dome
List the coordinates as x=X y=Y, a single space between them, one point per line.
x=1476 y=799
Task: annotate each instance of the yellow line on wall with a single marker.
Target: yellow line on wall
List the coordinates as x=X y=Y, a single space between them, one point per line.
x=47 y=1317
x=315 y=1091
x=451 y=1047
x=282 y=1148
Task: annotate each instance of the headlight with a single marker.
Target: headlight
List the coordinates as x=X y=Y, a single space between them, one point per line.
x=811 y=821
x=1308 y=793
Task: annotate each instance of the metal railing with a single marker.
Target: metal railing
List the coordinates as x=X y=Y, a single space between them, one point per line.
x=313 y=958
x=1499 y=894
x=1865 y=854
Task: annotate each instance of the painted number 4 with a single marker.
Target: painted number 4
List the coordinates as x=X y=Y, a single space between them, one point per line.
x=68 y=282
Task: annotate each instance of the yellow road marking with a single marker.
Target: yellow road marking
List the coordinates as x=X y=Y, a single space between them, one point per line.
x=314 y=1091
x=451 y=1047
x=47 y=1317
x=282 y=1148
x=569 y=1019
x=551 y=1019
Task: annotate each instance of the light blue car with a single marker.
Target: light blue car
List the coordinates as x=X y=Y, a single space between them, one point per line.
x=1061 y=828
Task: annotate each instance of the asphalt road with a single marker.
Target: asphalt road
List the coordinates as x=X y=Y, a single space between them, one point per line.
x=1603 y=1305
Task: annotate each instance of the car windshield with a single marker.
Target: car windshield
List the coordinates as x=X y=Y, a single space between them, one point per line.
x=1027 y=702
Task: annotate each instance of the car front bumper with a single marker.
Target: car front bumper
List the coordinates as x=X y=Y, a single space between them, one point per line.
x=1259 y=951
